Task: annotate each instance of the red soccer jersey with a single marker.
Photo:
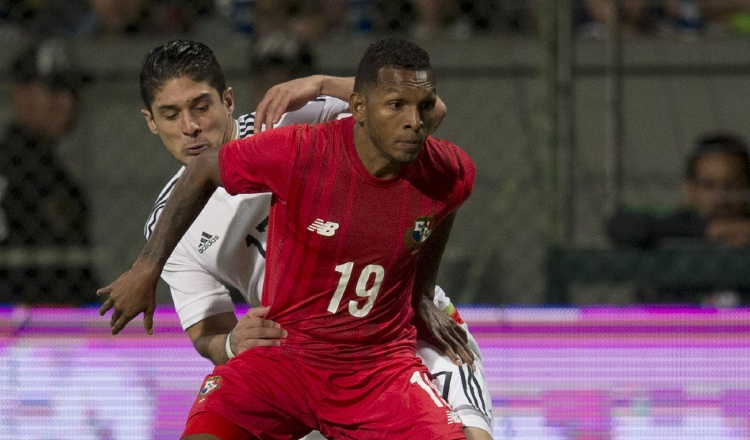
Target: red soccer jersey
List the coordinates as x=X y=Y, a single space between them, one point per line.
x=342 y=244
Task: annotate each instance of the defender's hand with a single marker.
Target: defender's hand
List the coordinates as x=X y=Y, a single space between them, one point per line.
x=286 y=97
x=253 y=330
x=132 y=293
x=440 y=330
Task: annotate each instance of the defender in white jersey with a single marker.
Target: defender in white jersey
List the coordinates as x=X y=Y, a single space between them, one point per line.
x=225 y=246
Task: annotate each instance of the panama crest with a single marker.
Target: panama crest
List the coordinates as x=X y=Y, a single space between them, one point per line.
x=418 y=235
x=209 y=385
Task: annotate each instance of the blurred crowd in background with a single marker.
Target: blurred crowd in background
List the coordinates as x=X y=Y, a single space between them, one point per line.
x=283 y=31
x=312 y=20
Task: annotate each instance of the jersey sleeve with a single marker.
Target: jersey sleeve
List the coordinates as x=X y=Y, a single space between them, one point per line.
x=261 y=163
x=323 y=109
x=457 y=170
x=468 y=173
x=197 y=295
x=161 y=201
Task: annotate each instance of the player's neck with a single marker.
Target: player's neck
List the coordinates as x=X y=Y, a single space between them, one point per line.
x=232 y=130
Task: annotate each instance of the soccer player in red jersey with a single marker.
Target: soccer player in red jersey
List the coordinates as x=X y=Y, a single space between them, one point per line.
x=361 y=212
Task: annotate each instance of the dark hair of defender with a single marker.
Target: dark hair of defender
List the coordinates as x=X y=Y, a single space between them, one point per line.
x=176 y=59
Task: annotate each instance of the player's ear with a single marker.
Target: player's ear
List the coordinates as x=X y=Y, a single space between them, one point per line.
x=149 y=120
x=357 y=104
x=228 y=99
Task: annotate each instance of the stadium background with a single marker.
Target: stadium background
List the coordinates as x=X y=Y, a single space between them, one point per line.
x=498 y=92
x=561 y=131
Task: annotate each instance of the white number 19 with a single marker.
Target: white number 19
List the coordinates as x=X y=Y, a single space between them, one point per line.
x=362 y=290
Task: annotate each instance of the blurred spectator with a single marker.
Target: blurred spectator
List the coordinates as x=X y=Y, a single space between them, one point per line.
x=305 y=20
x=517 y=16
x=118 y=18
x=35 y=19
x=433 y=17
x=453 y=18
x=715 y=210
x=43 y=222
x=39 y=19
x=325 y=18
x=715 y=201
x=277 y=58
x=637 y=17
x=313 y=20
x=271 y=16
x=725 y=17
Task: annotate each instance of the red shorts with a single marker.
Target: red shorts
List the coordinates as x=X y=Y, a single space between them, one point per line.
x=211 y=423
x=279 y=398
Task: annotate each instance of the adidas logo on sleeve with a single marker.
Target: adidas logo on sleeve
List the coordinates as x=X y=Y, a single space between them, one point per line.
x=206 y=241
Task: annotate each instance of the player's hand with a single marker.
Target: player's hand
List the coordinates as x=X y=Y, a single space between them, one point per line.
x=253 y=330
x=437 y=328
x=286 y=97
x=132 y=293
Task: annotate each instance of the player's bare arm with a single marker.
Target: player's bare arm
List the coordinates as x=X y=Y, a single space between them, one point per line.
x=294 y=94
x=477 y=434
x=210 y=335
x=433 y=325
x=134 y=292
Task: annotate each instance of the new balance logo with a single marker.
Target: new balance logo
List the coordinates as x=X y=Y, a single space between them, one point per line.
x=453 y=417
x=323 y=228
x=206 y=241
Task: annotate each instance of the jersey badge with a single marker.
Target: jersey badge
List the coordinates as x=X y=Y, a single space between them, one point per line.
x=418 y=235
x=211 y=384
x=323 y=227
x=206 y=241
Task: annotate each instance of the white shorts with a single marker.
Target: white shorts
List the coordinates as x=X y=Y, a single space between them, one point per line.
x=465 y=390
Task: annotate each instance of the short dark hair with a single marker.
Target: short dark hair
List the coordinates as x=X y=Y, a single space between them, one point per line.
x=391 y=52
x=722 y=143
x=176 y=59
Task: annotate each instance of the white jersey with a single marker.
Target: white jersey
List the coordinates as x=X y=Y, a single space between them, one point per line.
x=225 y=246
